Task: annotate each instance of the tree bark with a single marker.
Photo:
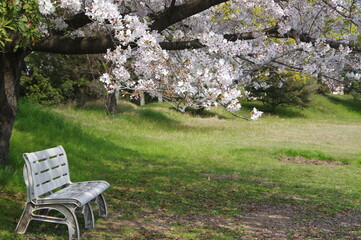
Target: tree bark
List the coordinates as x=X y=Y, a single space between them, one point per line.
x=142 y=99
x=10 y=70
x=175 y=14
x=111 y=103
x=81 y=96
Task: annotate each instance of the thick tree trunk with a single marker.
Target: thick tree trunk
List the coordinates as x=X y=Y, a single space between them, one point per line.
x=10 y=70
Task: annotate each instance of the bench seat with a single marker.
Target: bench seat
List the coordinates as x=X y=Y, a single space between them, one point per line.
x=78 y=193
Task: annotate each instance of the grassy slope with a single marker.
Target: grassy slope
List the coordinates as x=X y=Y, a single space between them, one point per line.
x=162 y=162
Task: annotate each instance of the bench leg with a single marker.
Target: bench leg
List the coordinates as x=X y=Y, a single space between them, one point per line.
x=68 y=212
x=25 y=218
x=87 y=212
x=71 y=221
x=102 y=205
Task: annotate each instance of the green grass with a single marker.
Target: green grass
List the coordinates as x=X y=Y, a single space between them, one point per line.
x=173 y=175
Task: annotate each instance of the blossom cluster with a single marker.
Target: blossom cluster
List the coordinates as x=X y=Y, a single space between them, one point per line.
x=255 y=114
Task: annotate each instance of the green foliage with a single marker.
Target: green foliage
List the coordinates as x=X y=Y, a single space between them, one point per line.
x=260 y=16
x=38 y=89
x=224 y=12
x=285 y=88
x=51 y=79
x=19 y=22
x=351 y=84
x=355 y=89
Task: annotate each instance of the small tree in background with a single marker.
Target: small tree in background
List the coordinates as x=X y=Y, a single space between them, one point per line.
x=352 y=83
x=355 y=89
x=276 y=88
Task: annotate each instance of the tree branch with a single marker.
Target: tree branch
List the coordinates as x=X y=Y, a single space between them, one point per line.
x=304 y=37
x=182 y=45
x=170 y=16
x=79 y=45
x=232 y=113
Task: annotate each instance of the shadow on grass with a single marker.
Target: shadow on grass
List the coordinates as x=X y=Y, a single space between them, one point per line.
x=160 y=120
x=289 y=112
x=203 y=113
x=156 y=116
x=11 y=209
x=99 y=106
x=131 y=111
x=349 y=103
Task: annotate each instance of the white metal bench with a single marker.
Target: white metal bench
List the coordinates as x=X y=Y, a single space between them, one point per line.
x=48 y=185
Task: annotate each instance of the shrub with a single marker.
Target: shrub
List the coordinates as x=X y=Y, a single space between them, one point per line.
x=281 y=88
x=39 y=89
x=355 y=89
x=51 y=79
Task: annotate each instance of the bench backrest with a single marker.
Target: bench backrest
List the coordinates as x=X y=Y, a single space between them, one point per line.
x=45 y=171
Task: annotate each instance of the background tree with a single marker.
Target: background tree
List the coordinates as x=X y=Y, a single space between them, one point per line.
x=353 y=83
x=282 y=88
x=194 y=53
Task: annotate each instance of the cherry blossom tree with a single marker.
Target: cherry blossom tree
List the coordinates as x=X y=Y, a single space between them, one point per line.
x=195 y=53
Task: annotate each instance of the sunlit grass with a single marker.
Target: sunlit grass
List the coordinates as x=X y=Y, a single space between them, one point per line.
x=161 y=162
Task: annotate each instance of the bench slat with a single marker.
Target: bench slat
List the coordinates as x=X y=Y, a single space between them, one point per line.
x=48 y=163
x=49 y=186
x=49 y=175
x=45 y=182
x=44 y=154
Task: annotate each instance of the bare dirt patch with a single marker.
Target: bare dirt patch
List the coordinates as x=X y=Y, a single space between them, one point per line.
x=303 y=160
x=270 y=221
x=259 y=221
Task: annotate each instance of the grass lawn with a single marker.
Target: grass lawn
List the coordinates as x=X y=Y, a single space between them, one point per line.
x=296 y=175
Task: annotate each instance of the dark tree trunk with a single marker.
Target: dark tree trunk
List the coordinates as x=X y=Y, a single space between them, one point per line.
x=81 y=96
x=111 y=103
x=10 y=70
